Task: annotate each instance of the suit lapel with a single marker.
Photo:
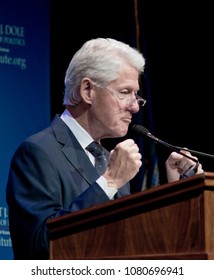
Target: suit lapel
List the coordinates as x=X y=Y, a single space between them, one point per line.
x=73 y=150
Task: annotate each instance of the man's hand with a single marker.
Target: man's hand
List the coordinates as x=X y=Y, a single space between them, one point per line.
x=177 y=165
x=124 y=163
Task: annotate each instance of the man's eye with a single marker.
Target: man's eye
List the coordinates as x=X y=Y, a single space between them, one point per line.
x=125 y=92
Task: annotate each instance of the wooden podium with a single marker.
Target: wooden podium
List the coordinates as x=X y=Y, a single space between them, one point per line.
x=171 y=221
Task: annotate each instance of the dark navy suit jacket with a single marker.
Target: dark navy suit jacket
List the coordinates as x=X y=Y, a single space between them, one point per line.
x=50 y=175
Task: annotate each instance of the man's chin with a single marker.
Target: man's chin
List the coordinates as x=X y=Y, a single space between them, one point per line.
x=122 y=132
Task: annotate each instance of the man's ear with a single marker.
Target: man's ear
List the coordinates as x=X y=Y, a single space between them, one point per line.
x=86 y=90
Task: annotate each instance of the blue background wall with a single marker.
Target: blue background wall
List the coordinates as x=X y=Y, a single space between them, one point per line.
x=24 y=86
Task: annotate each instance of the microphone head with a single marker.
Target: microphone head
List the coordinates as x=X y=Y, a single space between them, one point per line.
x=138 y=129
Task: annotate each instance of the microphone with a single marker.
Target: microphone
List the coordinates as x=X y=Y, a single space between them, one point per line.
x=140 y=130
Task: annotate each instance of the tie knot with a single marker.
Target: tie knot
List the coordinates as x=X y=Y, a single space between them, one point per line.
x=95 y=148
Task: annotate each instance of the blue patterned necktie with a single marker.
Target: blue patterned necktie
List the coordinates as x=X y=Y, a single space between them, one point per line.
x=100 y=158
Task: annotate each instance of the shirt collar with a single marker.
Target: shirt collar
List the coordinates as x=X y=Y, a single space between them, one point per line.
x=79 y=132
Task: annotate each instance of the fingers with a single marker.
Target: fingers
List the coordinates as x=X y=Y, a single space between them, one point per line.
x=200 y=169
x=182 y=165
x=129 y=151
x=124 y=163
x=181 y=161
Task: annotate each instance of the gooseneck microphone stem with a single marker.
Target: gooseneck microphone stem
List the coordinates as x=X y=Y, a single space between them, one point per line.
x=191 y=151
x=171 y=147
x=143 y=131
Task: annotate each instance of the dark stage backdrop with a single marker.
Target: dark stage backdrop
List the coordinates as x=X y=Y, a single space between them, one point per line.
x=24 y=87
x=179 y=47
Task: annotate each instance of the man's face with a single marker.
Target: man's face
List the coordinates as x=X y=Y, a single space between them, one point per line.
x=112 y=106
